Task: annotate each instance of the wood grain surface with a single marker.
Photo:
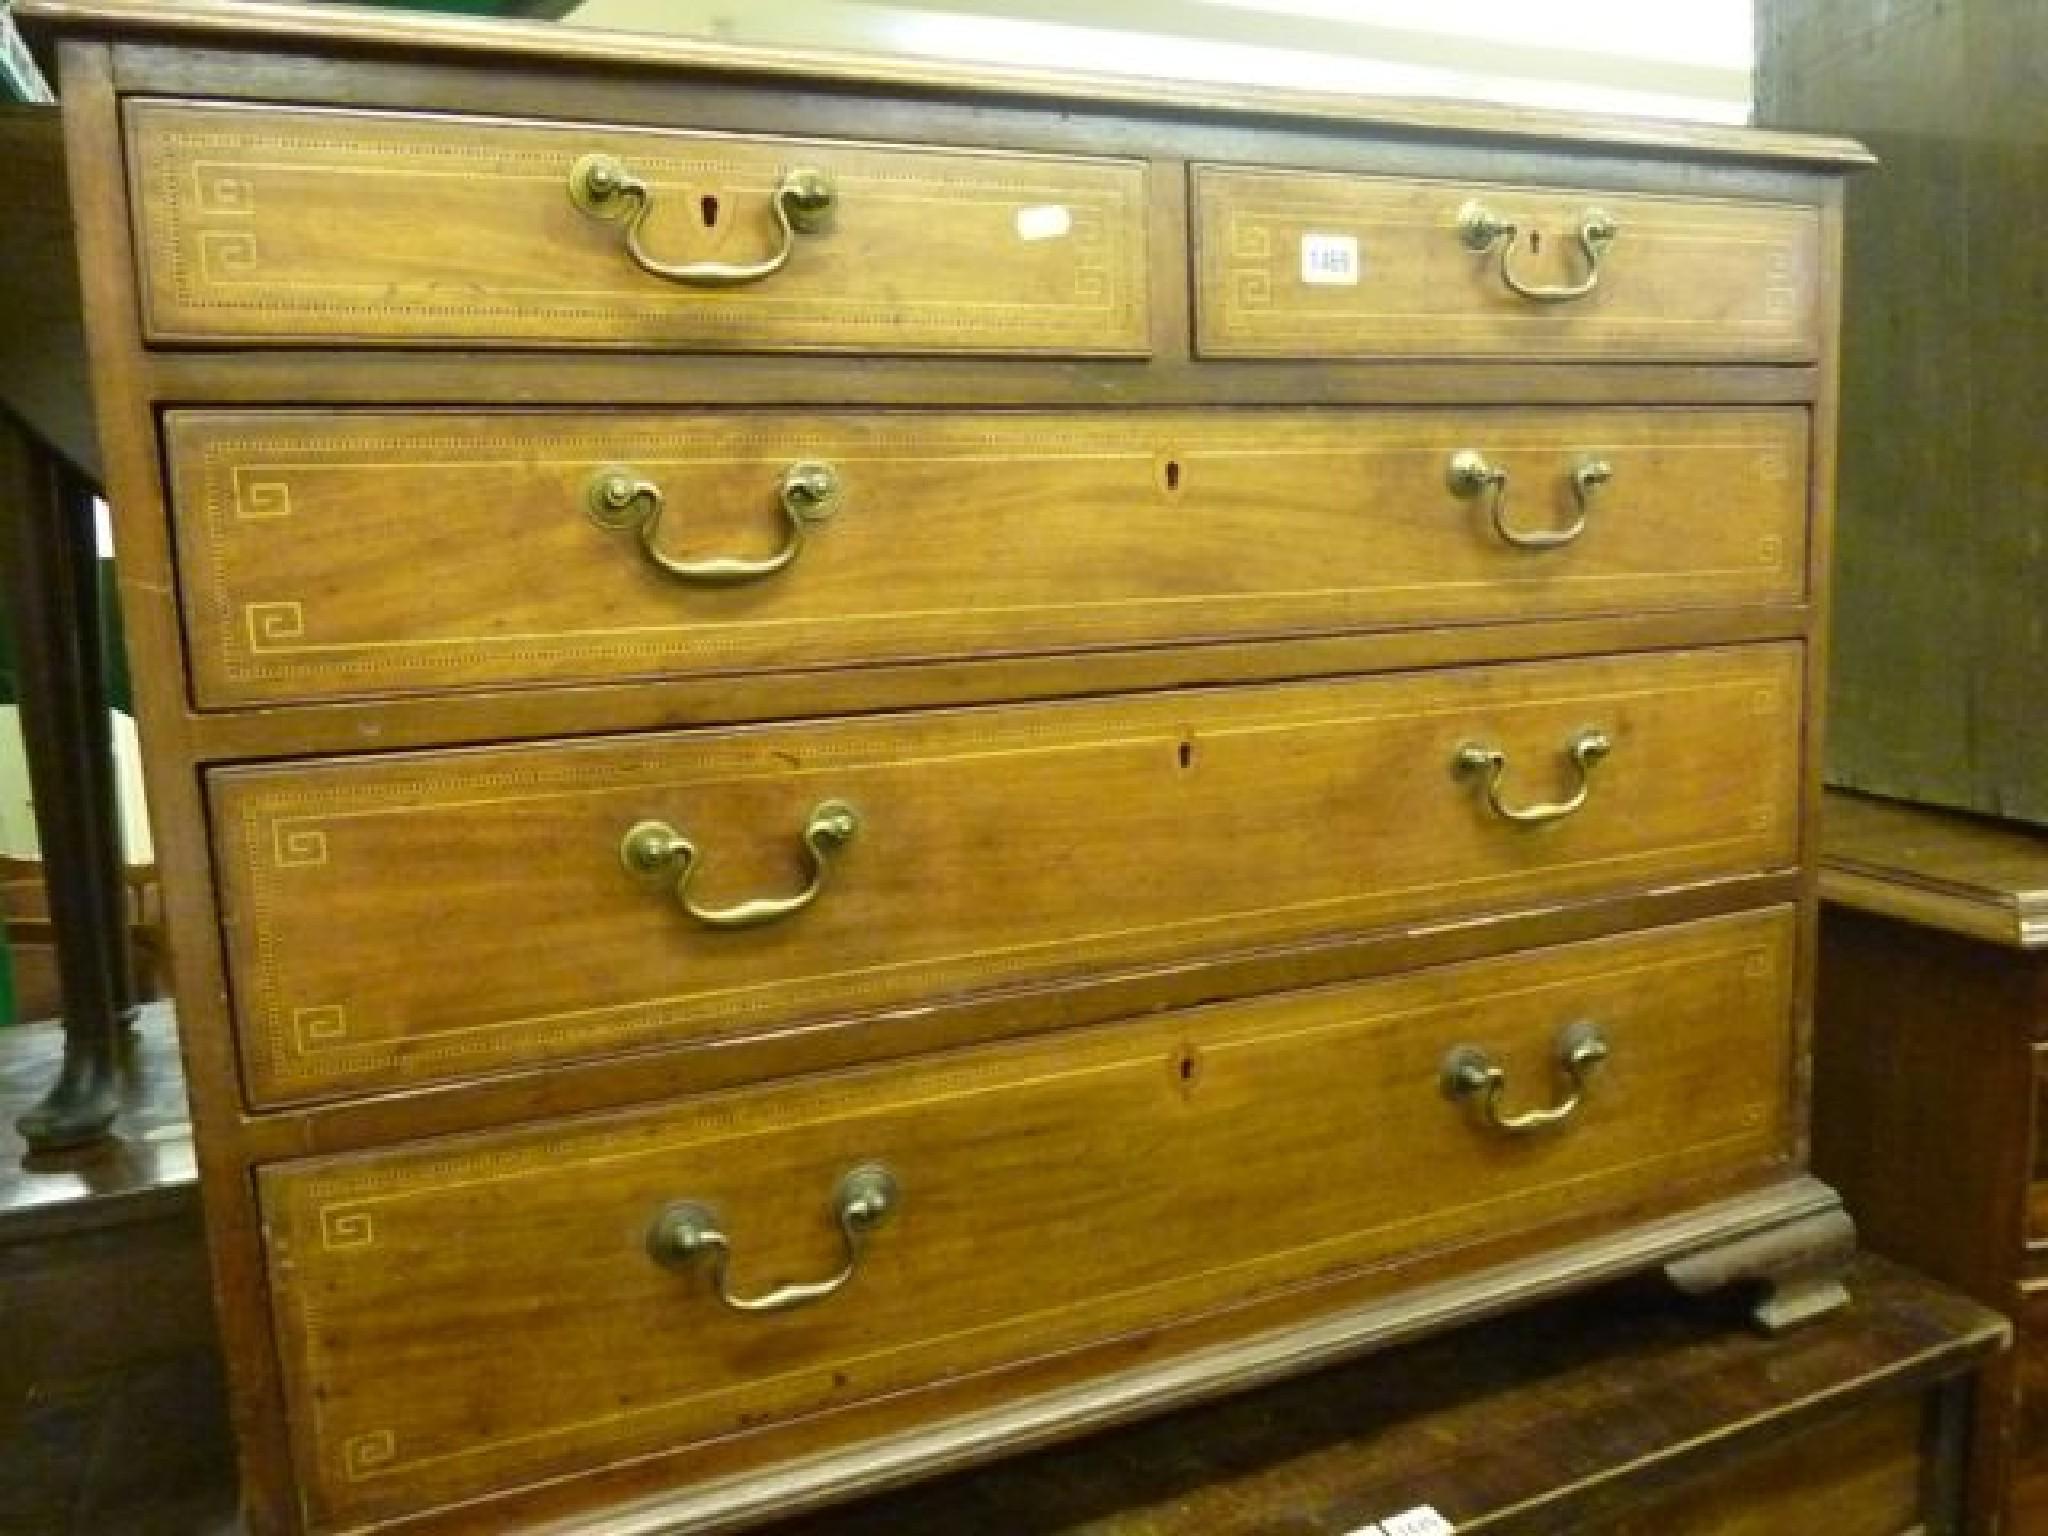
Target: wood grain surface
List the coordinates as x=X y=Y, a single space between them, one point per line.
x=401 y=928
x=1683 y=279
x=1616 y=1411
x=381 y=914
x=1970 y=875
x=368 y=553
x=1944 y=571
x=267 y=224
x=483 y=1311
x=278 y=27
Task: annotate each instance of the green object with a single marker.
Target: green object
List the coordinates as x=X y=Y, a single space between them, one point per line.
x=113 y=650
x=10 y=1010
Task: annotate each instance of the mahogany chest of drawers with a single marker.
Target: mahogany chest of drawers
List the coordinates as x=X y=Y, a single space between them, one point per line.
x=860 y=764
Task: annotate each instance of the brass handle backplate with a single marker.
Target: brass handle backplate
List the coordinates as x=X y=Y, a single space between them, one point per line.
x=802 y=203
x=1482 y=229
x=1472 y=474
x=1491 y=764
x=687 y=1233
x=1471 y=1075
x=623 y=499
x=656 y=849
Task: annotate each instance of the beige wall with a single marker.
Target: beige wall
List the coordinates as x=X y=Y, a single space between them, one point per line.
x=1690 y=59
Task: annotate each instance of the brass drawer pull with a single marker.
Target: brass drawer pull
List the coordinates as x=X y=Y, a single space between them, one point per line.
x=621 y=499
x=1482 y=229
x=687 y=1233
x=1469 y=1074
x=654 y=848
x=1586 y=749
x=602 y=187
x=1471 y=474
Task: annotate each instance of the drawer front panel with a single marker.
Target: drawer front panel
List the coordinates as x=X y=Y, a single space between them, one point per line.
x=1868 y=1473
x=1298 y=264
x=279 y=225
x=359 y=554
x=381 y=913
x=485 y=1311
x=2026 y=1504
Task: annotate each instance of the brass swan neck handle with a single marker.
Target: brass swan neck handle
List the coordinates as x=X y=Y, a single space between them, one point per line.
x=802 y=202
x=1472 y=1076
x=1470 y=473
x=654 y=849
x=1491 y=765
x=623 y=499
x=687 y=1233
x=1482 y=229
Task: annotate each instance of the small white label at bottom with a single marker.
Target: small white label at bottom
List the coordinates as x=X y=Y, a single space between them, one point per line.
x=1419 y=1521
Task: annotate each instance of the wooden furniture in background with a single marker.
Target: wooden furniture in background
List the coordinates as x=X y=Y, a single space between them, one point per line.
x=1931 y=1072
x=113 y=1413
x=50 y=599
x=1942 y=570
x=998 y=753
x=1613 y=1414
x=32 y=936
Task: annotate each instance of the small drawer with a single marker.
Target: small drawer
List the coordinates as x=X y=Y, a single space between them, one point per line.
x=269 y=224
x=359 y=554
x=1301 y=264
x=382 y=912
x=497 y=1310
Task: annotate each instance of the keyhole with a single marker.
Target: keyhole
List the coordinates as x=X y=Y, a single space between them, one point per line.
x=1535 y=242
x=1187 y=754
x=1187 y=1068
x=1173 y=474
x=708 y=206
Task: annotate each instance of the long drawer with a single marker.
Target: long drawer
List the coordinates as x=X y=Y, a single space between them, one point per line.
x=361 y=554
x=501 y=1309
x=1306 y=264
x=271 y=224
x=424 y=916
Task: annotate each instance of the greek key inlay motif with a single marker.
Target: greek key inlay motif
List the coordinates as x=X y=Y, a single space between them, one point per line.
x=295 y=844
x=220 y=192
x=262 y=499
x=343 y=1226
x=273 y=623
x=227 y=254
x=364 y=1455
x=318 y=1027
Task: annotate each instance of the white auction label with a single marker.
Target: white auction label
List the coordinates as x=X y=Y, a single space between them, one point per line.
x=1330 y=259
x=1423 y=1520
x=1044 y=221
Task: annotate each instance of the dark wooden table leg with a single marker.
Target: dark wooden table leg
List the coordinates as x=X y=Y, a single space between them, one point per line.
x=51 y=595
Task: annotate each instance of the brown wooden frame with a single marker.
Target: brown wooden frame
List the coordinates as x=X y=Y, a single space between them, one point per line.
x=114 y=48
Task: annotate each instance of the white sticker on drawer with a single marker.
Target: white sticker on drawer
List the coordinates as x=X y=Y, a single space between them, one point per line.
x=1330 y=259
x=1044 y=221
x=1423 y=1520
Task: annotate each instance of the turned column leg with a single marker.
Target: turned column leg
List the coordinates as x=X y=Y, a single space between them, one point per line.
x=51 y=595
